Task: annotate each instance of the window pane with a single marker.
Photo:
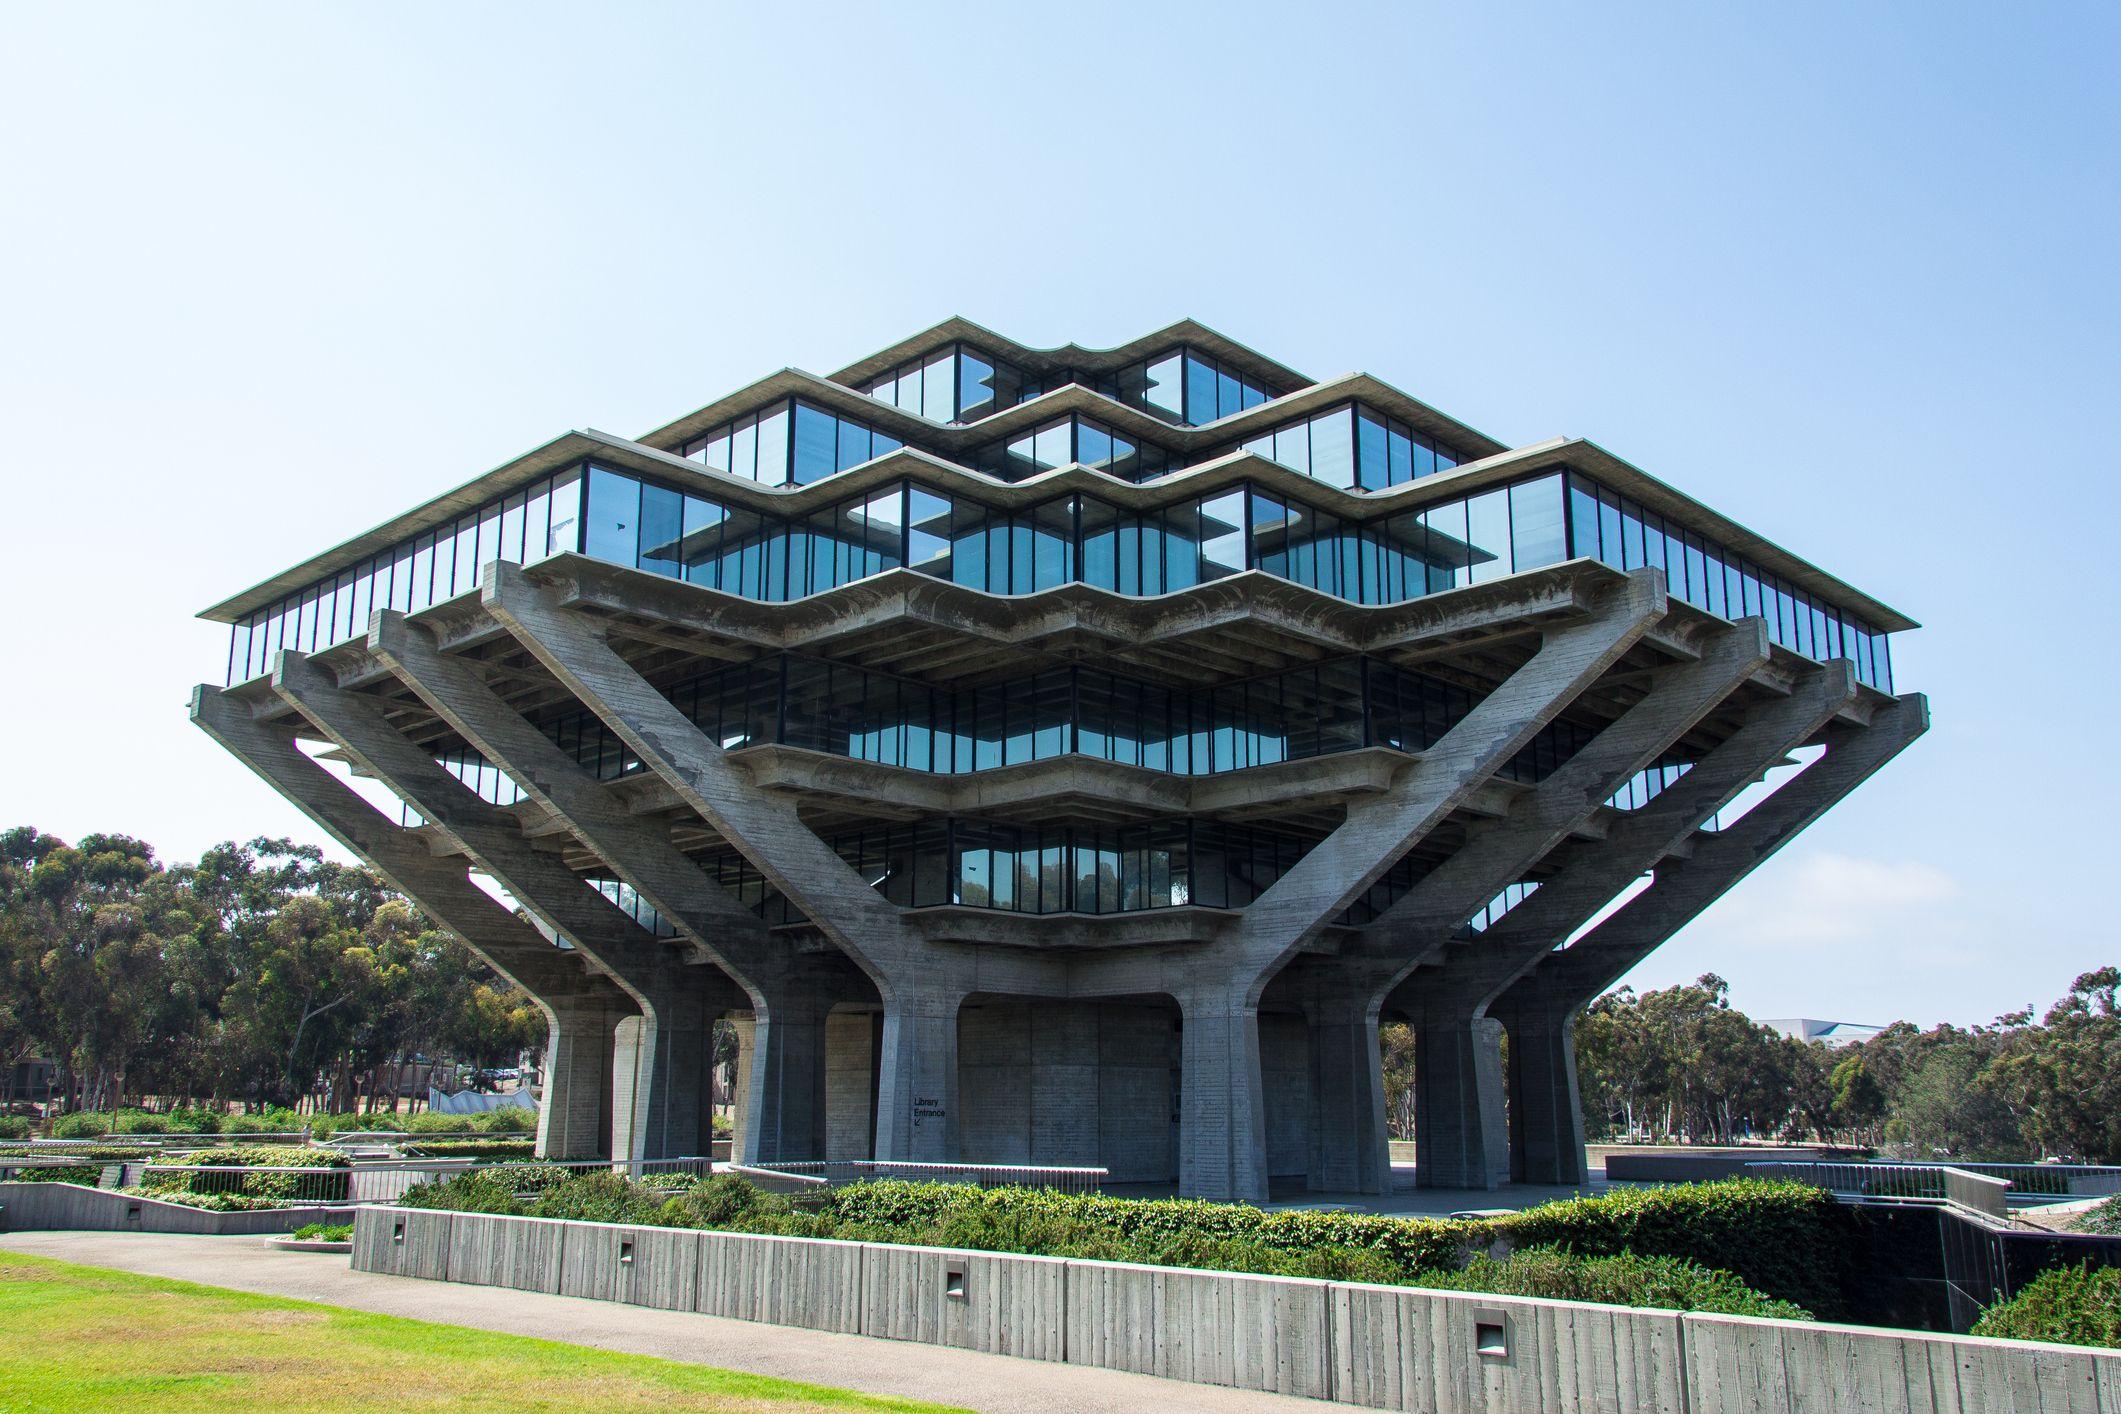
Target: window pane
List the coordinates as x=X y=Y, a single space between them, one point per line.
x=1536 y=524
x=612 y=531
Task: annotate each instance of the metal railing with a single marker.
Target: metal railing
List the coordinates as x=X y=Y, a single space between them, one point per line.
x=1928 y=1183
x=838 y=1171
x=280 y=1184
x=2025 y=1183
x=164 y=1141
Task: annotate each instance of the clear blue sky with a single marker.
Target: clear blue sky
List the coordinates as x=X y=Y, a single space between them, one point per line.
x=270 y=273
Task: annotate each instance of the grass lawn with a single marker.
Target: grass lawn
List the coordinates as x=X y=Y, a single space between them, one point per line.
x=86 y=1338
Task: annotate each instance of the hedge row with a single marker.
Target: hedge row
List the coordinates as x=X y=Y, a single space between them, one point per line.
x=95 y=1125
x=2073 y=1305
x=496 y=1149
x=1579 y=1249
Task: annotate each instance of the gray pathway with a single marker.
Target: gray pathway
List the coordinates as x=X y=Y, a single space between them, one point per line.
x=996 y=1382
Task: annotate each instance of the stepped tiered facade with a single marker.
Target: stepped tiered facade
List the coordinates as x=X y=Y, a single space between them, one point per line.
x=1065 y=757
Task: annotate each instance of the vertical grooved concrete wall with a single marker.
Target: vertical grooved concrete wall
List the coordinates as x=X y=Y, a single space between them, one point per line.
x=1285 y=1075
x=1073 y=1084
x=1380 y=1347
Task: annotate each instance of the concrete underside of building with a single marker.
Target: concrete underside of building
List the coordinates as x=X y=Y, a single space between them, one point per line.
x=702 y=806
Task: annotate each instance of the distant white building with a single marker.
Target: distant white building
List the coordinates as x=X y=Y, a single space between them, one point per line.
x=1827 y=1033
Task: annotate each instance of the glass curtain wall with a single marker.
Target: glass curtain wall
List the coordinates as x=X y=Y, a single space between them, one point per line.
x=1624 y=534
x=1083 y=539
x=1353 y=447
x=528 y=524
x=792 y=443
x=1045 y=869
x=959 y=384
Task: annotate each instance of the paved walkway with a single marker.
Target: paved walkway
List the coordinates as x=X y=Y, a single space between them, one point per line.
x=960 y=1377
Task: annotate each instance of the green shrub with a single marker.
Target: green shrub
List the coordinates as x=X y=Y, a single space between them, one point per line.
x=1185 y=1233
x=324 y=1232
x=191 y=1119
x=2105 y=1218
x=1669 y=1283
x=141 y=1122
x=87 y=1153
x=476 y=1191
x=210 y=1202
x=1790 y=1240
x=272 y=1188
x=14 y=1126
x=598 y=1198
x=722 y=1127
x=469 y=1149
x=431 y=1122
x=325 y=1126
x=2071 y=1305
x=81 y=1125
x=515 y=1119
x=87 y=1175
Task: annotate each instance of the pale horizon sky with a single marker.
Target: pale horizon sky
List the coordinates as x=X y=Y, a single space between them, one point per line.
x=270 y=274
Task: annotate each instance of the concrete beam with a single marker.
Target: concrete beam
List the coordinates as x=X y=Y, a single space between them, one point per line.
x=1540 y=1005
x=1476 y=973
x=1683 y=888
x=1377 y=831
x=574 y=1120
x=921 y=984
x=668 y=1114
x=790 y=992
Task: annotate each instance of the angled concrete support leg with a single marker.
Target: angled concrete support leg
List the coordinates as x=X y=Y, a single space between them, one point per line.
x=1461 y=1139
x=1350 y=1149
x=1546 y=1113
x=676 y=1000
x=1222 y=1123
x=789 y=993
x=1543 y=1000
x=580 y=1007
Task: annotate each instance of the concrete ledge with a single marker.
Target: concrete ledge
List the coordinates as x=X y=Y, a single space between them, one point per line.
x=1218 y=1328
x=40 y=1207
x=1397 y=1347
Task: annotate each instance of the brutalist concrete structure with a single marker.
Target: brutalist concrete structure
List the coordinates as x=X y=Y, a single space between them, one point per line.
x=1065 y=756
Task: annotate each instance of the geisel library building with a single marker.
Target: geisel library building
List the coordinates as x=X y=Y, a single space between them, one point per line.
x=1065 y=757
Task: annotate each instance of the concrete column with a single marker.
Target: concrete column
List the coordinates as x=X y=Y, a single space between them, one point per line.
x=782 y=1085
x=850 y=1085
x=1222 y=1124
x=1546 y=1111
x=574 y=1120
x=1350 y=1149
x=740 y=1119
x=1460 y=1135
x=916 y=1118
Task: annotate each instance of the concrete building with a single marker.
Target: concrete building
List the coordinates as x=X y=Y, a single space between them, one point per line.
x=1831 y=1034
x=1063 y=756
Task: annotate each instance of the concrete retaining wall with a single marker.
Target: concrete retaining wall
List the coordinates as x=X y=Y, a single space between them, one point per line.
x=1400 y=1348
x=1217 y=1328
x=44 y=1207
x=1737 y=1365
x=1669 y=1167
x=1382 y=1347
